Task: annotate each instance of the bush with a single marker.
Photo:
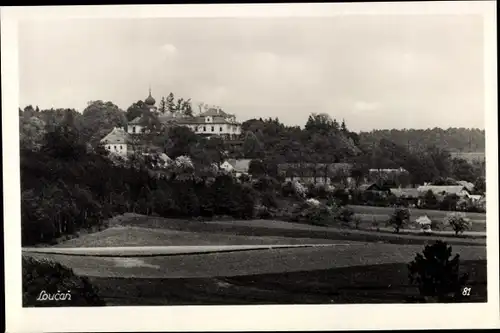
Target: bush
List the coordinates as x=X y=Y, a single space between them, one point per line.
x=449 y=202
x=320 y=215
x=399 y=218
x=287 y=189
x=458 y=222
x=299 y=190
x=269 y=199
x=436 y=276
x=345 y=215
x=266 y=183
x=357 y=221
x=53 y=278
x=263 y=212
x=313 y=202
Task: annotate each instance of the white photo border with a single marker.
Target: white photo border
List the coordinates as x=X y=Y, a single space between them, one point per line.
x=240 y=318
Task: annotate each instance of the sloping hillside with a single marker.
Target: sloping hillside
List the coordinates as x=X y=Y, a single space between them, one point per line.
x=452 y=139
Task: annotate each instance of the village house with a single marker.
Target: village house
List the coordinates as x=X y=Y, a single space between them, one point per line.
x=458 y=190
x=374 y=188
x=409 y=195
x=117 y=142
x=468 y=185
x=240 y=166
x=317 y=173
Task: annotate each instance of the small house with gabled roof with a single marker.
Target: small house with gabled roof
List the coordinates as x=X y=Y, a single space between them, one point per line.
x=116 y=141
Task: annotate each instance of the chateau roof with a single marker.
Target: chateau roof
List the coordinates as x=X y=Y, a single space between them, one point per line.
x=200 y=120
x=213 y=112
x=116 y=136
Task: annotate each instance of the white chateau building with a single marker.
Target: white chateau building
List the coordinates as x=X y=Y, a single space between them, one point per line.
x=212 y=122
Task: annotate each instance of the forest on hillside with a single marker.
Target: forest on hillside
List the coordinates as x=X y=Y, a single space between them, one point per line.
x=454 y=140
x=69 y=182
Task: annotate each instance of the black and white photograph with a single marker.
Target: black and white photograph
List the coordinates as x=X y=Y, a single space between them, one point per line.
x=213 y=156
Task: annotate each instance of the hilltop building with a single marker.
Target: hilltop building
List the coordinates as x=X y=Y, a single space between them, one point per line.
x=213 y=122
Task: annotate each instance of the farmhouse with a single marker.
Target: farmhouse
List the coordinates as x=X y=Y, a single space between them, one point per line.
x=116 y=141
x=373 y=187
x=409 y=195
x=458 y=190
x=317 y=173
x=468 y=185
x=240 y=166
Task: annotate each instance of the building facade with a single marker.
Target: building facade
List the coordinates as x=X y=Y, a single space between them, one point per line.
x=213 y=122
x=116 y=142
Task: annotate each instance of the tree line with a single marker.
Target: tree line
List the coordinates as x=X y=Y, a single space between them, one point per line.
x=68 y=186
x=452 y=139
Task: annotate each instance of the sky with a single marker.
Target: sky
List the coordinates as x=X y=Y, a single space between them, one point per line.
x=376 y=71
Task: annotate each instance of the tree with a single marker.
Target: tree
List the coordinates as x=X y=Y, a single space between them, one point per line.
x=99 y=118
x=462 y=170
x=256 y=168
x=163 y=105
x=343 y=127
x=63 y=143
x=31 y=132
x=449 y=202
x=137 y=109
x=187 y=109
x=399 y=217
x=430 y=200
x=480 y=185
x=441 y=159
x=171 y=104
x=252 y=147
x=213 y=150
x=180 y=141
x=437 y=276
x=458 y=222
x=322 y=123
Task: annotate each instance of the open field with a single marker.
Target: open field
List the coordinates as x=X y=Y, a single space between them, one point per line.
x=275 y=228
x=386 y=283
x=337 y=266
x=415 y=213
x=265 y=261
x=137 y=236
x=367 y=221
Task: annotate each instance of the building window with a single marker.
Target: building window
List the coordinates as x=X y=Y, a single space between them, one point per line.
x=115 y=147
x=204 y=128
x=220 y=129
x=213 y=128
x=133 y=129
x=121 y=147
